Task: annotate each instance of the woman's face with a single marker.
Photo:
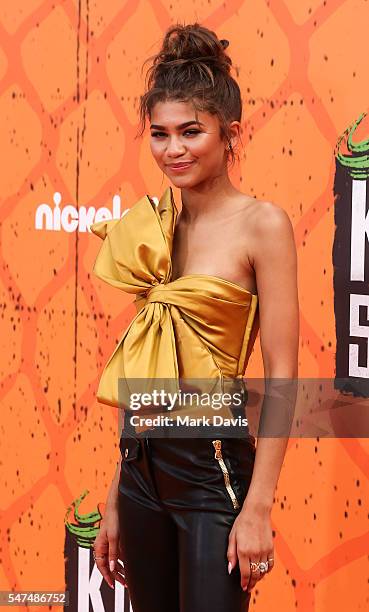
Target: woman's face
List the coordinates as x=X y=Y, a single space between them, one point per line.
x=177 y=139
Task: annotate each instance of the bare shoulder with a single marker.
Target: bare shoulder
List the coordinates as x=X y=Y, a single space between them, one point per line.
x=266 y=225
x=262 y=214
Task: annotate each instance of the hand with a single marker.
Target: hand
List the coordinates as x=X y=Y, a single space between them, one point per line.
x=250 y=540
x=107 y=546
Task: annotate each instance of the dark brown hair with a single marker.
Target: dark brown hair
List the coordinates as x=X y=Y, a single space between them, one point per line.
x=192 y=66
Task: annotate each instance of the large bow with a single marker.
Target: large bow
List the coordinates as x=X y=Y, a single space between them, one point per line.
x=196 y=326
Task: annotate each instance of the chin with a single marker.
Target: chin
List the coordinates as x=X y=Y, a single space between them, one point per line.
x=183 y=181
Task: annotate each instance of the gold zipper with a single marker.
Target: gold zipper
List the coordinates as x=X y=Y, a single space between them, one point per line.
x=218 y=455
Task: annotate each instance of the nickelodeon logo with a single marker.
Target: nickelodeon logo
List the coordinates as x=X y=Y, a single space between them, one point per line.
x=83 y=581
x=70 y=218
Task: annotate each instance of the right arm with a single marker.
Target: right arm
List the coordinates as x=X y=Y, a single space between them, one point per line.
x=107 y=540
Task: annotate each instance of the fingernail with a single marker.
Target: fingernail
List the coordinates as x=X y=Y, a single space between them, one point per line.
x=244 y=588
x=111 y=565
x=112 y=586
x=229 y=567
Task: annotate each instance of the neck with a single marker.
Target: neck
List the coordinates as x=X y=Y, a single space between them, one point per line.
x=207 y=199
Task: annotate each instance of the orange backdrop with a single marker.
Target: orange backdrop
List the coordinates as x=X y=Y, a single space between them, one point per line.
x=69 y=86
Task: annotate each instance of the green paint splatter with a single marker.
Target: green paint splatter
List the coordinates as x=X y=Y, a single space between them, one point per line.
x=357 y=162
x=85 y=528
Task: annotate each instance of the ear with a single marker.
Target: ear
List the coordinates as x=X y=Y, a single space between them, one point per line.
x=235 y=128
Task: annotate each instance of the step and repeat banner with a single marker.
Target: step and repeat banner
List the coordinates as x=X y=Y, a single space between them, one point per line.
x=70 y=82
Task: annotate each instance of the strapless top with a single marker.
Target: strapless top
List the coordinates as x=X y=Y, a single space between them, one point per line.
x=197 y=326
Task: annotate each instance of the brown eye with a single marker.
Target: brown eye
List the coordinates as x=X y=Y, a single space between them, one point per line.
x=192 y=132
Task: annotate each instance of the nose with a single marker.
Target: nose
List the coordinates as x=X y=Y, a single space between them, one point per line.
x=174 y=147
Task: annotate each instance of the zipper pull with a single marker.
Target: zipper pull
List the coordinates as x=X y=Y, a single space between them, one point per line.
x=218 y=449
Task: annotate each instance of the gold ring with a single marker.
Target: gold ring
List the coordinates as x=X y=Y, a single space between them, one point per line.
x=254 y=566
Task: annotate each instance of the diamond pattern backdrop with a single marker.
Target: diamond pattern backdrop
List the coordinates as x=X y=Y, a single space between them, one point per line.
x=69 y=86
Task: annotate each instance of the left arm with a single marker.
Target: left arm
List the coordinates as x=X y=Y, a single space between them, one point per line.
x=275 y=265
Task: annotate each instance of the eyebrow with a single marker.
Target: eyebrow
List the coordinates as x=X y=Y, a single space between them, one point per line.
x=179 y=127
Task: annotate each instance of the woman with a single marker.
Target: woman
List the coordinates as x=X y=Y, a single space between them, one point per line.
x=190 y=517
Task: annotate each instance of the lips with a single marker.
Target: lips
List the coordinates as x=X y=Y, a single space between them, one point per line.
x=180 y=165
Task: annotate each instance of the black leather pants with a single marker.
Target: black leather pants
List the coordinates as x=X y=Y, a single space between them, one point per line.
x=176 y=510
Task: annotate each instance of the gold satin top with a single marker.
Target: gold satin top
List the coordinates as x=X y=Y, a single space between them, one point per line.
x=196 y=326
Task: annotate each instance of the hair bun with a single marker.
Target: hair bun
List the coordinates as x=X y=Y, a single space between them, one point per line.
x=192 y=43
